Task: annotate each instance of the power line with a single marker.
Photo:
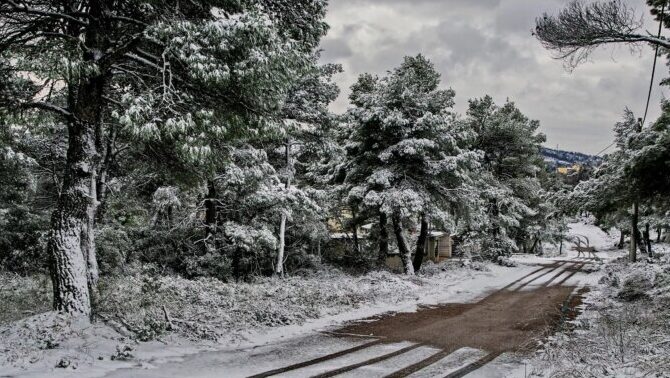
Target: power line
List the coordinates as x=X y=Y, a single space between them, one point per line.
x=651 y=81
x=653 y=69
x=605 y=149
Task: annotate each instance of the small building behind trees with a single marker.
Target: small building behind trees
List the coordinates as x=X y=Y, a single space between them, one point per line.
x=344 y=239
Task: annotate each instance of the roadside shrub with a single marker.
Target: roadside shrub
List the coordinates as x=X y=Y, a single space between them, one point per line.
x=634 y=288
x=21 y=296
x=506 y=261
x=494 y=247
x=113 y=249
x=23 y=241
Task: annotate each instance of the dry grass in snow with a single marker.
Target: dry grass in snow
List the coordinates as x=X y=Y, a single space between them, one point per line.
x=170 y=310
x=624 y=330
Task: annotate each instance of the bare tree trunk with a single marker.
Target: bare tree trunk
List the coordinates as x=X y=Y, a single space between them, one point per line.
x=622 y=239
x=633 y=234
x=279 y=267
x=639 y=241
x=405 y=253
x=647 y=241
x=210 y=217
x=237 y=263
x=532 y=249
x=383 y=239
x=658 y=235
x=106 y=149
x=421 y=244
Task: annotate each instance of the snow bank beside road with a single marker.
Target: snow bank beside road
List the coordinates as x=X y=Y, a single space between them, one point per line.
x=623 y=330
x=182 y=316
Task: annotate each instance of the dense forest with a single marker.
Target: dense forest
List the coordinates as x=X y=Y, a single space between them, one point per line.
x=195 y=140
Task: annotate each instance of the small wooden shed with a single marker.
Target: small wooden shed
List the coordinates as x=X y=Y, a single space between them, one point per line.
x=438 y=247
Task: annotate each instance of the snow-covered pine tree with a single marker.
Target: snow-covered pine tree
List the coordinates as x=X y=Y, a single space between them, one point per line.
x=178 y=70
x=306 y=138
x=509 y=183
x=404 y=154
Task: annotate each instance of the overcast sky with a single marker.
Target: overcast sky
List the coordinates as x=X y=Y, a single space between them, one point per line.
x=486 y=47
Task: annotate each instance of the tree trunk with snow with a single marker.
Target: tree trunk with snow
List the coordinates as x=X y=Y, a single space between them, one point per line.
x=73 y=262
x=421 y=244
x=354 y=231
x=405 y=253
x=639 y=240
x=279 y=267
x=383 y=239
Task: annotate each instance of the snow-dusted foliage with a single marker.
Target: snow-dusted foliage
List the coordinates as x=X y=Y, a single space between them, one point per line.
x=405 y=152
x=176 y=82
x=623 y=328
x=404 y=145
x=632 y=175
x=513 y=204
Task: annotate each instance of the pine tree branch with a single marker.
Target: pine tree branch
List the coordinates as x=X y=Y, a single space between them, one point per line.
x=46 y=106
x=27 y=10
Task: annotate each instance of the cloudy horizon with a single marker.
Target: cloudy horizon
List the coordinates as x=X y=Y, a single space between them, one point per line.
x=486 y=47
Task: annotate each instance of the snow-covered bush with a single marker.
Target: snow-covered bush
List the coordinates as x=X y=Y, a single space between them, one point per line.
x=635 y=287
x=149 y=305
x=113 y=247
x=506 y=261
x=622 y=331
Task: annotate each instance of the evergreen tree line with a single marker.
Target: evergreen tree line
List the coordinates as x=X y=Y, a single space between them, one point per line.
x=196 y=137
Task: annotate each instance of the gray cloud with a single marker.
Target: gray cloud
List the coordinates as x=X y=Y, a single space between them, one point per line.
x=486 y=47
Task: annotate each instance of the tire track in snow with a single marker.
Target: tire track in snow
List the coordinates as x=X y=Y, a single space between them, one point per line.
x=552 y=267
x=565 y=269
x=473 y=366
x=371 y=361
x=316 y=360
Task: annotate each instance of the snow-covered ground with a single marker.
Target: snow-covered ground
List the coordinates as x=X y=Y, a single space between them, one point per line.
x=248 y=315
x=623 y=330
x=274 y=323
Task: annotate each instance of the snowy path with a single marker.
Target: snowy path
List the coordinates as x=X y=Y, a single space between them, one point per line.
x=446 y=341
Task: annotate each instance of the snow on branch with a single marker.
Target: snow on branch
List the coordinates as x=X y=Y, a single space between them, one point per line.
x=580 y=28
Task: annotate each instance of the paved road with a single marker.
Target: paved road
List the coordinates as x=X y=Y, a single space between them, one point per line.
x=452 y=340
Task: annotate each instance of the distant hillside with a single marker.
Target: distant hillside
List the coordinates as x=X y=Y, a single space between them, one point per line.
x=558 y=158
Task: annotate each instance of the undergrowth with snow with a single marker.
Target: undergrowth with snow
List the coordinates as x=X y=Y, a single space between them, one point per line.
x=624 y=328
x=143 y=307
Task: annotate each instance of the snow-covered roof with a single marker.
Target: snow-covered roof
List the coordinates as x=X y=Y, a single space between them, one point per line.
x=367 y=226
x=345 y=235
